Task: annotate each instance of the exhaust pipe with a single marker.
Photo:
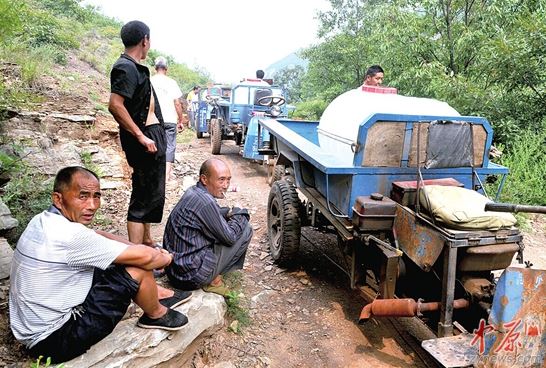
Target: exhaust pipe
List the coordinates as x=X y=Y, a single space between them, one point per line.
x=403 y=308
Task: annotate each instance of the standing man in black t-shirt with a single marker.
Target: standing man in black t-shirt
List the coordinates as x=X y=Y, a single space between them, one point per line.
x=135 y=106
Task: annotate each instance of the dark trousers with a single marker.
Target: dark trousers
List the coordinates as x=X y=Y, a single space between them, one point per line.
x=231 y=258
x=228 y=259
x=93 y=320
x=148 y=179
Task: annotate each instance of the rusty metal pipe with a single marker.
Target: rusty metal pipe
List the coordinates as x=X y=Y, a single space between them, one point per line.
x=434 y=306
x=510 y=207
x=403 y=308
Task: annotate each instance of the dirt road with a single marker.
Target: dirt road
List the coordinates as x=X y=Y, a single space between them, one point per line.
x=302 y=317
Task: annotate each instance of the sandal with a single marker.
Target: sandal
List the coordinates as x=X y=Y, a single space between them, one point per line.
x=221 y=289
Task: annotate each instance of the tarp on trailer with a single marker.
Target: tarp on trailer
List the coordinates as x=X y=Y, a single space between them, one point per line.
x=462 y=209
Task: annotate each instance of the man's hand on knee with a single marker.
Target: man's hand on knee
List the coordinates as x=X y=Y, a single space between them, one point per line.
x=144 y=257
x=236 y=211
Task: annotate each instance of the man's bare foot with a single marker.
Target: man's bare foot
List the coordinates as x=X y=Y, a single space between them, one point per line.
x=163 y=293
x=217 y=286
x=218 y=281
x=159 y=312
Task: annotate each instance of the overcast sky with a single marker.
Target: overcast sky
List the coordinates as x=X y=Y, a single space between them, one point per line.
x=228 y=38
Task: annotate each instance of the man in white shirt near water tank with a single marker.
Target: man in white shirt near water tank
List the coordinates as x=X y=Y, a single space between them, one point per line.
x=374 y=76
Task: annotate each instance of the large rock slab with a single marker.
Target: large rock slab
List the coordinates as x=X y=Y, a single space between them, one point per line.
x=7 y=222
x=75 y=118
x=51 y=143
x=6 y=254
x=107 y=159
x=131 y=346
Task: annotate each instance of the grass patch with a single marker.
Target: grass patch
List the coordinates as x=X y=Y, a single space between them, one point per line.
x=33 y=61
x=47 y=363
x=87 y=160
x=523 y=223
x=526 y=161
x=99 y=105
x=237 y=312
x=27 y=193
x=185 y=137
x=101 y=220
x=17 y=95
x=237 y=308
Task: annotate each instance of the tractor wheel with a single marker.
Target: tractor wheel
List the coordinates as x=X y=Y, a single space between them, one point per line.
x=277 y=174
x=216 y=136
x=283 y=221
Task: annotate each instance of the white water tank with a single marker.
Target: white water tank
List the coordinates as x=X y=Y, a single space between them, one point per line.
x=338 y=127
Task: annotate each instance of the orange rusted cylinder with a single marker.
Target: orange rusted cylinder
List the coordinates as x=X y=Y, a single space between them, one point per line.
x=461 y=304
x=434 y=306
x=389 y=308
x=365 y=313
x=429 y=307
x=403 y=308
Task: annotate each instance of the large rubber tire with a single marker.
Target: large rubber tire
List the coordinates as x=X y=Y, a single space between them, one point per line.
x=283 y=221
x=216 y=136
x=277 y=174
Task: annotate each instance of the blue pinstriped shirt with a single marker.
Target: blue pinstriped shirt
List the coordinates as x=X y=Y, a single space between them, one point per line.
x=194 y=226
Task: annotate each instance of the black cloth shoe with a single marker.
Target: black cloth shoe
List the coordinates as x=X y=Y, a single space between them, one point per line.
x=179 y=297
x=171 y=321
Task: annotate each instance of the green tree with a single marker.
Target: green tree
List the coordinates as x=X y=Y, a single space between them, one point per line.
x=336 y=65
x=184 y=76
x=290 y=78
x=347 y=49
x=10 y=19
x=484 y=58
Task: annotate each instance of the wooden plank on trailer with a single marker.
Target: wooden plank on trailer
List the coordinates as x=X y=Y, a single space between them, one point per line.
x=384 y=145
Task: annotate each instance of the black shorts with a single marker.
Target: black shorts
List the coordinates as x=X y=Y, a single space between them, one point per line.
x=148 y=179
x=93 y=320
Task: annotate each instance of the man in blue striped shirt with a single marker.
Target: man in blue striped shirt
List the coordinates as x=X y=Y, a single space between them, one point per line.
x=205 y=239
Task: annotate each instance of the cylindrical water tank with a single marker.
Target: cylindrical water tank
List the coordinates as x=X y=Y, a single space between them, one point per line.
x=340 y=122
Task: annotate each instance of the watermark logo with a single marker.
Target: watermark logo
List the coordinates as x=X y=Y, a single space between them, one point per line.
x=517 y=342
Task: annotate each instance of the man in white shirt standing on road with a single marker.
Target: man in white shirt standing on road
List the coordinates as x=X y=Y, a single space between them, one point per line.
x=169 y=94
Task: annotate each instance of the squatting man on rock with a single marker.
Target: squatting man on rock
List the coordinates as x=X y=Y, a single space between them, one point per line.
x=70 y=285
x=207 y=240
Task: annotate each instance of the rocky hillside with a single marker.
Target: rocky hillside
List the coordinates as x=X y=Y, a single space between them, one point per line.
x=66 y=127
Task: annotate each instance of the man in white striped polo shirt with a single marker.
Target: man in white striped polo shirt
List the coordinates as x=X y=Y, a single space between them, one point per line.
x=71 y=285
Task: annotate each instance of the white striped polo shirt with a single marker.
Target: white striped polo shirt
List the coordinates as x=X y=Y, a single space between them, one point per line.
x=52 y=272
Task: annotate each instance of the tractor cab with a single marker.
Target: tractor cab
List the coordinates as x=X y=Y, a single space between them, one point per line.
x=248 y=98
x=255 y=97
